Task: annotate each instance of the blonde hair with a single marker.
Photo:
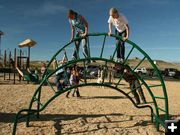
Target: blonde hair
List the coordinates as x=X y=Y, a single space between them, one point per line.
x=113 y=11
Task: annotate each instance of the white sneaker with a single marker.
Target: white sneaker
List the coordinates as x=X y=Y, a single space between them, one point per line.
x=119 y=60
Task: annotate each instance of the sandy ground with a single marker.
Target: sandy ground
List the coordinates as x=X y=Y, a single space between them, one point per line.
x=99 y=111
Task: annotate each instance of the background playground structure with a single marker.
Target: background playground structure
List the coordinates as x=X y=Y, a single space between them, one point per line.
x=11 y=60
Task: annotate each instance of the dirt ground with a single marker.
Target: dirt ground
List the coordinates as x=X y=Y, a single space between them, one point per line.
x=99 y=111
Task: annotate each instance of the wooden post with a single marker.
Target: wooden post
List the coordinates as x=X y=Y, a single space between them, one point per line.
x=28 y=60
x=14 y=66
x=4 y=63
x=28 y=56
x=9 y=65
x=1 y=33
x=20 y=60
x=5 y=58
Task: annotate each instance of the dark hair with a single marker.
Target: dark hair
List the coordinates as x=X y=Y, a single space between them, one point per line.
x=71 y=12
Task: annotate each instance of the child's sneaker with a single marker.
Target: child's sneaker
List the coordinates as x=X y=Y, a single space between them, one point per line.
x=119 y=60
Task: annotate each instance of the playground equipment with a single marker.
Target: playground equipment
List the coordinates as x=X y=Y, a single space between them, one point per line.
x=155 y=96
x=27 y=43
x=17 y=59
x=24 y=71
x=9 y=65
x=1 y=33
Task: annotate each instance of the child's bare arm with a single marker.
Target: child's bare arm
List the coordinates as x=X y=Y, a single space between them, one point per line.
x=86 y=25
x=110 y=29
x=72 y=32
x=127 y=32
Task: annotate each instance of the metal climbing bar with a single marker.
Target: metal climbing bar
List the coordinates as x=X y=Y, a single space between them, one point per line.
x=121 y=77
x=114 y=52
x=152 y=86
x=49 y=84
x=39 y=102
x=159 y=121
x=161 y=109
x=55 y=62
x=139 y=63
x=102 y=49
x=35 y=99
x=48 y=74
x=128 y=55
x=58 y=52
x=134 y=89
x=65 y=54
x=159 y=97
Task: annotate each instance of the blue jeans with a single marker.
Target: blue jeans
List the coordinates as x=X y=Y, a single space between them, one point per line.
x=84 y=46
x=120 y=45
x=58 y=84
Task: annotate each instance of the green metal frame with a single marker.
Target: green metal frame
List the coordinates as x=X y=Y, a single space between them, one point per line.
x=155 y=115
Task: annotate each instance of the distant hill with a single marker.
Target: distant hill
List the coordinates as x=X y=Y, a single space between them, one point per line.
x=159 y=63
x=132 y=62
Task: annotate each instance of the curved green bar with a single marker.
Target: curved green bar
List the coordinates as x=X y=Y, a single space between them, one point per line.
x=47 y=74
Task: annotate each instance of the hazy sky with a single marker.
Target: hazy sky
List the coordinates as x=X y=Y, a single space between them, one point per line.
x=154 y=24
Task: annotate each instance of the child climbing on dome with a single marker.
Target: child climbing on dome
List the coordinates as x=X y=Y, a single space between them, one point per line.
x=121 y=29
x=134 y=86
x=79 y=28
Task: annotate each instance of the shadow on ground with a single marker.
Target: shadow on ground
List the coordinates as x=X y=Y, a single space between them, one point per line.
x=58 y=118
